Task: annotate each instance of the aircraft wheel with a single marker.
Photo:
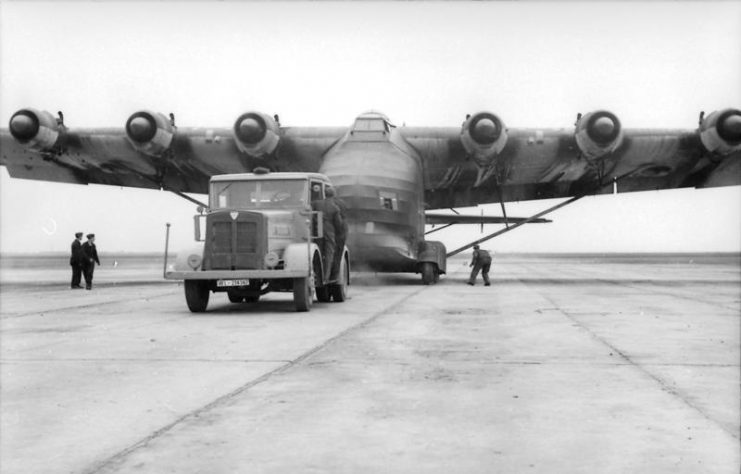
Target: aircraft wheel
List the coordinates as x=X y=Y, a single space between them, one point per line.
x=429 y=273
x=302 y=296
x=234 y=298
x=196 y=295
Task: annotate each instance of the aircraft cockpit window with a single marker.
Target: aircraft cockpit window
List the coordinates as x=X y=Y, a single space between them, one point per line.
x=370 y=125
x=268 y=194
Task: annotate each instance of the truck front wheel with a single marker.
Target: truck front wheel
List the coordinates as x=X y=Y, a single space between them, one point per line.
x=302 y=294
x=235 y=298
x=196 y=295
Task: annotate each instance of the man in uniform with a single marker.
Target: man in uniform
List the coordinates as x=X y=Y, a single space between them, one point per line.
x=76 y=260
x=331 y=223
x=90 y=258
x=481 y=261
x=340 y=231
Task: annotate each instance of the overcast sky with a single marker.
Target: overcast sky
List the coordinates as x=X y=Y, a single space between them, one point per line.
x=655 y=64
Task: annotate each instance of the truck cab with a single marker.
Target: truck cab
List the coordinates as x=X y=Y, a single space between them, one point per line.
x=258 y=235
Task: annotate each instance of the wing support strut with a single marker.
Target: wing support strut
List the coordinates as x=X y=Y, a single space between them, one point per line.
x=515 y=226
x=501 y=201
x=159 y=182
x=185 y=196
x=543 y=213
x=440 y=228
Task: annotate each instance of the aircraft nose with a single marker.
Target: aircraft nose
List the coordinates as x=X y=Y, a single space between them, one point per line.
x=140 y=129
x=250 y=130
x=732 y=127
x=23 y=127
x=485 y=131
x=603 y=127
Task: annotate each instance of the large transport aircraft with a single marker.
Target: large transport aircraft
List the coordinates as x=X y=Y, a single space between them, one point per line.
x=388 y=176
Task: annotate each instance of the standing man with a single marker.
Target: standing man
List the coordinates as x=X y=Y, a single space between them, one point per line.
x=90 y=258
x=481 y=261
x=331 y=222
x=341 y=233
x=76 y=261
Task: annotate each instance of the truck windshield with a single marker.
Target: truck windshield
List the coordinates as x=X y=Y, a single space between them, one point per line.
x=255 y=194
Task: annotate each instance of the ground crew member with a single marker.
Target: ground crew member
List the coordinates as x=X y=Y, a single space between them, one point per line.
x=341 y=234
x=331 y=223
x=481 y=261
x=90 y=258
x=76 y=261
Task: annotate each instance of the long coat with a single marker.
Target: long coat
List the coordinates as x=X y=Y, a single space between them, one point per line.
x=90 y=254
x=76 y=257
x=331 y=217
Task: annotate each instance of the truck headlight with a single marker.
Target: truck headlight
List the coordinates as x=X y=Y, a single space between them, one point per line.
x=194 y=261
x=271 y=259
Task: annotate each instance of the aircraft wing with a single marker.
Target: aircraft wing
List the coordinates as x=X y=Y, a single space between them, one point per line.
x=438 y=218
x=596 y=157
x=149 y=152
x=481 y=161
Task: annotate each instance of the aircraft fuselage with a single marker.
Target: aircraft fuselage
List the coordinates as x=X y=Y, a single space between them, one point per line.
x=379 y=176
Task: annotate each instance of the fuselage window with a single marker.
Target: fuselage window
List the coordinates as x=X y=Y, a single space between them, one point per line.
x=388 y=200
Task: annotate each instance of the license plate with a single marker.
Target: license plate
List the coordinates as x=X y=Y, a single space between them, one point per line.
x=222 y=283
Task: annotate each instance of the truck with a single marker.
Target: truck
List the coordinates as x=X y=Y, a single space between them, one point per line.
x=260 y=234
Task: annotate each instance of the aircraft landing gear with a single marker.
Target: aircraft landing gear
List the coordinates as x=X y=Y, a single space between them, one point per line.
x=430 y=273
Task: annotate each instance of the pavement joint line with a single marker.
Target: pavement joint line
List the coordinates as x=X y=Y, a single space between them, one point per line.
x=668 y=293
x=85 y=306
x=266 y=361
x=547 y=363
x=362 y=361
x=630 y=283
x=121 y=455
x=664 y=386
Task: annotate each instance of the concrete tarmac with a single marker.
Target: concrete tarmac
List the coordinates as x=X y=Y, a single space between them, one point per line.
x=573 y=365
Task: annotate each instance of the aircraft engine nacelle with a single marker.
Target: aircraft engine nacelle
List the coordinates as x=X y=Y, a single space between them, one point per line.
x=483 y=136
x=256 y=134
x=720 y=131
x=37 y=130
x=150 y=132
x=598 y=134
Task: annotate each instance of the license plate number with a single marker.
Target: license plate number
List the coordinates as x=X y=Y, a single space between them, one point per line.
x=222 y=283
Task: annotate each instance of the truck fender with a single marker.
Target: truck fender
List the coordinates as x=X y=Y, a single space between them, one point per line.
x=296 y=258
x=188 y=259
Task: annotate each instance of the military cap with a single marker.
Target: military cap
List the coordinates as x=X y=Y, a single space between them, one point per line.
x=90 y=236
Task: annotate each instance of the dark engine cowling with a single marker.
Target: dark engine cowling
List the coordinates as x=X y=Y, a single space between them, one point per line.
x=38 y=130
x=598 y=134
x=150 y=132
x=720 y=131
x=483 y=136
x=256 y=134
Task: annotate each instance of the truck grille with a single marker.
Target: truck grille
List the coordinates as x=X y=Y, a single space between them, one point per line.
x=235 y=243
